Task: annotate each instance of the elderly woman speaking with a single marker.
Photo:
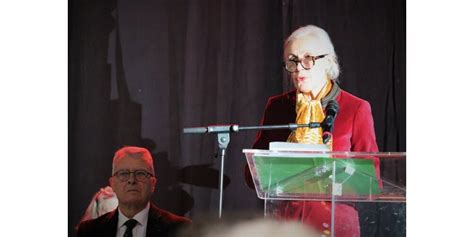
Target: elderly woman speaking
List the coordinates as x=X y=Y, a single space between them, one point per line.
x=311 y=62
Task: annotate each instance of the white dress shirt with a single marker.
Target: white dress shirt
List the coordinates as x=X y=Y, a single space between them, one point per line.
x=140 y=228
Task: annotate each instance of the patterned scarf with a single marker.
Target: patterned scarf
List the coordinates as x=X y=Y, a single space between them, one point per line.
x=308 y=111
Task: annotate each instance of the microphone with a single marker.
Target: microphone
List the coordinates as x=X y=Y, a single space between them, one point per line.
x=213 y=129
x=331 y=112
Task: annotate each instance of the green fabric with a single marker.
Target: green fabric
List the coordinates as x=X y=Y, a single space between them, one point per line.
x=313 y=175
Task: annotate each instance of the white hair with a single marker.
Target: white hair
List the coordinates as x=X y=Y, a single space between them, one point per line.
x=136 y=153
x=314 y=31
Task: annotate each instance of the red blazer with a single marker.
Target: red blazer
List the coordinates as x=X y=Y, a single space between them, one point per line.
x=353 y=128
x=353 y=131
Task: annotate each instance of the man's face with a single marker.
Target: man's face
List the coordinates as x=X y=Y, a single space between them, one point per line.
x=311 y=80
x=132 y=191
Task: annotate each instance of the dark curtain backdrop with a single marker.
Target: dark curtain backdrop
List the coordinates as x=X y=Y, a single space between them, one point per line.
x=140 y=71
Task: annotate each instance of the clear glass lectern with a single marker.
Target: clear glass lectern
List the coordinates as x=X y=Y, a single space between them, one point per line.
x=374 y=184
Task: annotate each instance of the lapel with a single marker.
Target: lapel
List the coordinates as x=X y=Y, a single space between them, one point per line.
x=155 y=222
x=335 y=90
x=107 y=225
x=110 y=223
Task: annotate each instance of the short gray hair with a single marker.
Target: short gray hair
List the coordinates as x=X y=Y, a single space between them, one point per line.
x=310 y=30
x=134 y=152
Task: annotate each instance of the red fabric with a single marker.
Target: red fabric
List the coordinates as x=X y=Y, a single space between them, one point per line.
x=318 y=215
x=353 y=131
x=353 y=128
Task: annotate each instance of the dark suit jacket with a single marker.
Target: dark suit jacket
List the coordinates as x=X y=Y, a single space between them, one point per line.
x=160 y=223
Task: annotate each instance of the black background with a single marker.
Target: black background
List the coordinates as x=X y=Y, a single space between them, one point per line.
x=140 y=71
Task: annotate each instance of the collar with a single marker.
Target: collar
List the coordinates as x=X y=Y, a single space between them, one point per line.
x=141 y=217
x=332 y=95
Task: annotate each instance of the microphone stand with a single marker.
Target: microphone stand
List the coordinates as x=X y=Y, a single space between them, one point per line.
x=223 y=139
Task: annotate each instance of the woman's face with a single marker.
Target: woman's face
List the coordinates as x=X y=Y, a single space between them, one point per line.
x=312 y=80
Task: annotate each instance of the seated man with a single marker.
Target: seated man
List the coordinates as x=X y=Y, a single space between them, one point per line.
x=133 y=180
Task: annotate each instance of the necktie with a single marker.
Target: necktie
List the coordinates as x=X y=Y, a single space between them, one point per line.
x=130 y=225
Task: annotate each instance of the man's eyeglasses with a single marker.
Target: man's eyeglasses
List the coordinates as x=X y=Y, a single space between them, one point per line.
x=140 y=175
x=307 y=62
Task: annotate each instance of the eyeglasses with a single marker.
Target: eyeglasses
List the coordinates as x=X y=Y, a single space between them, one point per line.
x=140 y=175
x=307 y=62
